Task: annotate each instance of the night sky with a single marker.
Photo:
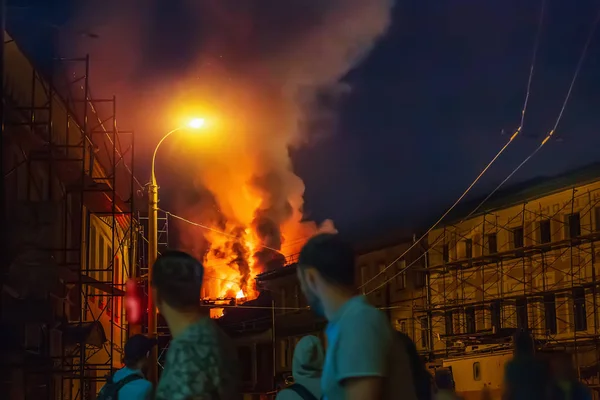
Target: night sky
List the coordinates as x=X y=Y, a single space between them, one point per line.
x=435 y=100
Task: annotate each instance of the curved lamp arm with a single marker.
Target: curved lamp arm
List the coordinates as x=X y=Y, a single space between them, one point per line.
x=153 y=176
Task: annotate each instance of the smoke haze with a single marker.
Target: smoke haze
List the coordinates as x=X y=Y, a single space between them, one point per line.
x=259 y=71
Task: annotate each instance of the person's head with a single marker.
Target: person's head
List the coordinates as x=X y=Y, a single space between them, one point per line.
x=325 y=264
x=443 y=380
x=523 y=344
x=136 y=351
x=176 y=283
x=308 y=358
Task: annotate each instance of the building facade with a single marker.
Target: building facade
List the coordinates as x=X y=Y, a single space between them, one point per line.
x=393 y=277
x=70 y=236
x=528 y=261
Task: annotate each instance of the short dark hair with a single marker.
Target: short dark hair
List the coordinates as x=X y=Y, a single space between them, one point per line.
x=331 y=256
x=523 y=343
x=177 y=277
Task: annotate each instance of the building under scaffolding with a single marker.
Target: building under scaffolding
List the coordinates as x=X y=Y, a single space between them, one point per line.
x=69 y=195
x=528 y=261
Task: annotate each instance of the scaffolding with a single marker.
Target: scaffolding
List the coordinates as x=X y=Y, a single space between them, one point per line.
x=529 y=264
x=72 y=175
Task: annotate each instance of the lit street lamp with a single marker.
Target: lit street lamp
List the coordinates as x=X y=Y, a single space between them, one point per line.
x=196 y=123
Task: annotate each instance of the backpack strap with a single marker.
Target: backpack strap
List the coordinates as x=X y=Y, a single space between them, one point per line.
x=302 y=392
x=128 y=379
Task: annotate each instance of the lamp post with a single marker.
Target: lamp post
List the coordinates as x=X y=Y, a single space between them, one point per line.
x=153 y=248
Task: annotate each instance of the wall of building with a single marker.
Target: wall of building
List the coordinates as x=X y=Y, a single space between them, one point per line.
x=404 y=293
x=59 y=239
x=531 y=265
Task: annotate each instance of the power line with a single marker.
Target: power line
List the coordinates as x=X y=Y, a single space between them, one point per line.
x=512 y=138
x=203 y=226
x=529 y=157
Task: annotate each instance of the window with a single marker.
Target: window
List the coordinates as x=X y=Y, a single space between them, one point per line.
x=545 y=232
x=92 y=264
x=597 y=218
x=496 y=314
x=517 y=237
x=448 y=320
x=492 y=243
x=401 y=276
x=476 y=371
x=573 y=226
x=446 y=253
x=296 y=296
x=245 y=358
x=550 y=313
x=283 y=299
x=579 y=309
x=401 y=325
x=424 y=332
x=522 y=316
x=469 y=248
x=419 y=278
x=470 y=319
x=93 y=251
x=102 y=257
x=109 y=265
x=285 y=349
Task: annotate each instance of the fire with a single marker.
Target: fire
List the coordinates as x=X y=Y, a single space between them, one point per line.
x=240 y=295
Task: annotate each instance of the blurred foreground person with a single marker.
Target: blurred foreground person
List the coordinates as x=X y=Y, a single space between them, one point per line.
x=445 y=387
x=568 y=386
x=129 y=382
x=525 y=376
x=422 y=379
x=201 y=362
x=307 y=367
x=364 y=360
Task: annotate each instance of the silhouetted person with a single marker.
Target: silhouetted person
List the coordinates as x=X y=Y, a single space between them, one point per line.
x=130 y=382
x=445 y=389
x=307 y=367
x=364 y=361
x=525 y=376
x=568 y=386
x=201 y=361
x=422 y=379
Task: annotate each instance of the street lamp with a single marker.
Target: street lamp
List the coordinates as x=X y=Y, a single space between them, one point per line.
x=196 y=123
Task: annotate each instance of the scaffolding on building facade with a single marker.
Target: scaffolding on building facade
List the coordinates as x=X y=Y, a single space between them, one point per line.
x=525 y=266
x=79 y=174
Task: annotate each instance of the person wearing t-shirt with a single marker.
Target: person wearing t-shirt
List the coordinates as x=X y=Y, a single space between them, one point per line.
x=201 y=360
x=364 y=361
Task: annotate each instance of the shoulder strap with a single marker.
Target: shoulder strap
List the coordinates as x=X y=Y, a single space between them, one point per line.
x=302 y=392
x=128 y=379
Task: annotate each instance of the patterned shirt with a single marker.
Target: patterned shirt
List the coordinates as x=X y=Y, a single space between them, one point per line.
x=201 y=365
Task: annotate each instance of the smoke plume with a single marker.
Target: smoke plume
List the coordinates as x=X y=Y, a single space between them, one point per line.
x=266 y=76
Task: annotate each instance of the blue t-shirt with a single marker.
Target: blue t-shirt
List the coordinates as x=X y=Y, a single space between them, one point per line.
x=362 y=344
x=140 y=389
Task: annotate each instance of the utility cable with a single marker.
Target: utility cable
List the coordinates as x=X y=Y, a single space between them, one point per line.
x=512 y=138
x=529 y=157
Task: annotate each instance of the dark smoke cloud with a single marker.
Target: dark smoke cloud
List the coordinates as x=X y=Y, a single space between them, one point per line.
x=269 y=70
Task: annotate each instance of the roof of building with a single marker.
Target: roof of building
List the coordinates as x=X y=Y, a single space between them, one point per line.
x=277 y=273
x=529 y=190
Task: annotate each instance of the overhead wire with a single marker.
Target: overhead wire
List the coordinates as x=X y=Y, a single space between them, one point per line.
x=558 y=119
x=512 y=138
x=214 y=230
x=462 y=196
x=530 y=156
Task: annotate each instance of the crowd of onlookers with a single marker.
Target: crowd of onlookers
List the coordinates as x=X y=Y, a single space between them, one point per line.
x=365 y=359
